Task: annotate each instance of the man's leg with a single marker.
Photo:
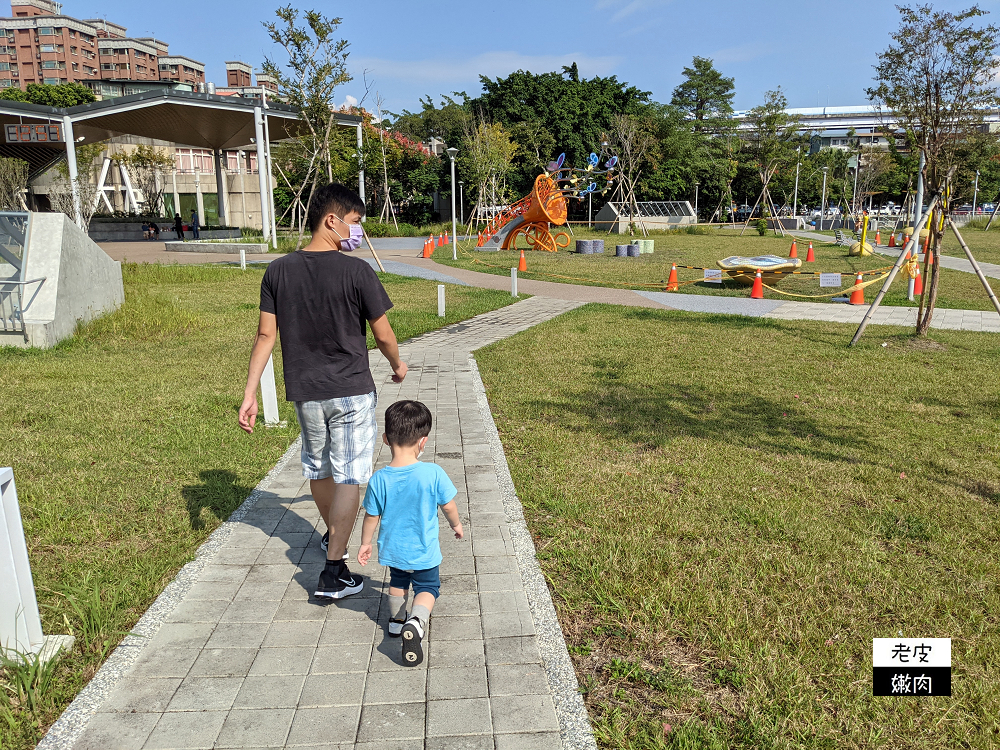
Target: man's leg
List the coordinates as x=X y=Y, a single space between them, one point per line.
x=343 y=512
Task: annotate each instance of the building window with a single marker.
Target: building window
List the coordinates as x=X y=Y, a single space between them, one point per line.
x=50 y=81
x=5 y=51
x=105 y=51
x=123 y=66
x=121 y=51
x=72 y=50
x=76 y=67
x=46 y=31
x=88 y=54
x=6 y=83
x=4 y=66
x=107 y=66
x=50 y=48
x=89 y=70
x=50 y=64
x=72 y=34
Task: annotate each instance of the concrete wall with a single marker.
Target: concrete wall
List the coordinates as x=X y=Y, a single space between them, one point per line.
x=81 y=281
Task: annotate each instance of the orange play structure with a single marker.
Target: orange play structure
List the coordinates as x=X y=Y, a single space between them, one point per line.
x=531 y=218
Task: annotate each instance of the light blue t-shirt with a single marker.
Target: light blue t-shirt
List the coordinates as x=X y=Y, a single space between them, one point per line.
x=407 y=498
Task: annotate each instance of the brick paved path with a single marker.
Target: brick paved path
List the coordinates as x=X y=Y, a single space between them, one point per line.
x=245 y=658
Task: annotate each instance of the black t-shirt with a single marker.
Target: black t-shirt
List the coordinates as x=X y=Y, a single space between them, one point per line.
x=323 y=301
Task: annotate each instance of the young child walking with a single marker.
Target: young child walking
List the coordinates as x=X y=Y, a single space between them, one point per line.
x=405 y=497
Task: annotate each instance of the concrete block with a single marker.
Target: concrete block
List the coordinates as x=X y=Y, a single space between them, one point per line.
x=206 y=694
x=457 y=682
x=460 y=715
x=523 y=713
x=191 y=730
x=265 y=727
x=224 y=662
x=283 y=661
x=122 y=731
x=398 y=686
x=336 y=724
x=390 y=721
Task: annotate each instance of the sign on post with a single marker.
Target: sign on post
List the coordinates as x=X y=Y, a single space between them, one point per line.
x=830 y=279
x=713 y=276
x=911 y=667
x=20 y=625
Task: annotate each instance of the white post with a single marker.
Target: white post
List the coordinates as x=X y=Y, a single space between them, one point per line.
x=513 y=282
x=269 y=393
x=454 y=218
x=177 y=195
x=440 y=300
x=795 y=200
x=199 y=202
x=262 y=178
x=220 y=180
x=243 y=258
x=270 y=187
x=975 y=195
x=20 y=625
x=71 y=165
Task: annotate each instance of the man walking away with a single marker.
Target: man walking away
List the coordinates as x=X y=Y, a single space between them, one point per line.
x=320 y=299
x=179 y=226
x=195 y=226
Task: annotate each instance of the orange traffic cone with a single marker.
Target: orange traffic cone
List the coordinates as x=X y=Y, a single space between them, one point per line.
x=906 y=238
x=878 y=237
x=672 y=285
x=892 y=240
x=927 y=253
x=758 y=288
x=810 y=256
x=918 y=283
x=427 y=249
x=522 y=265
x=794 y=252
x=858 y=295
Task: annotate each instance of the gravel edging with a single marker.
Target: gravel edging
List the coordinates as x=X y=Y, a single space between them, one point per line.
x=71 y=724
x=574 y=724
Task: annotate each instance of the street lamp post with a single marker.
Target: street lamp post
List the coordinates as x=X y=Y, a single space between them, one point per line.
x=795 y=200
x=461 y=201
x=975 y=194
x=452 y=152
x=696 y=202
x=822 y=204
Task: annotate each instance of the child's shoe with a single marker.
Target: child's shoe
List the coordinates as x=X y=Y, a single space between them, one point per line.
x=413 y=634
x=396 y=627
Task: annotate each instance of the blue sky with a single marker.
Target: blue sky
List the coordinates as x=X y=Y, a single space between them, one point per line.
x=819 y=52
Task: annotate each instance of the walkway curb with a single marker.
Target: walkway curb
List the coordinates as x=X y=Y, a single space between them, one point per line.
x=72 y=723
x=574 y=723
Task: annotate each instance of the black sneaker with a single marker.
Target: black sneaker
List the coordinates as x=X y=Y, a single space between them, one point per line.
x=337 y=582
x=395 y=627
x=413 y=634
x=324 y=544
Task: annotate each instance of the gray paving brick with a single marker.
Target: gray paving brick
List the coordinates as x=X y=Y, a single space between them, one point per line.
x=397 y=686
x=456 y=682
x=351 y=657
x=256 y=591
x=181 y=635
x=458 y=584
x=347 y=631
x=523 y=713
x=272 y=691
x=266 y=727
x=186 y=730
x=504 y=624
x=288 y=660
x=141 y=694
x=496 y=564
x=458 y=715
x=536 y=741
x=332 y=724
x=473 y=742
x=164 y=662
x=457 y=654
x=293 y=633
x=465 y=628
x=199 y=610
x=120 y=731
x=345 y=689
x=515 y=650
x=391 y=721
x=260 y=610
x=206 y=694
x=223 y=573
x=457 y=604
x=517 y=679
x=213 y=590
x=237 y=635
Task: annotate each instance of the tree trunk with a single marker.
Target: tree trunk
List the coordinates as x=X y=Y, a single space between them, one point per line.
x=934 y=251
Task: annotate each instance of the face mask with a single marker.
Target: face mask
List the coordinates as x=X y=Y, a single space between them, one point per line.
x=354 y=241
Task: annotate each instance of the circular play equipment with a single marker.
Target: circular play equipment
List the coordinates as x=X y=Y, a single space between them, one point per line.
x=530 y=218
x=745 y=269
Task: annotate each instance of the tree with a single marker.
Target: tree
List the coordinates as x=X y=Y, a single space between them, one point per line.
x=935 y=80
x=632 y=140
x=486 y=158
x=13 y=184
x=316 y=66
x=61 y=197
x=144 y=165
x=59 y=95
x=706 y=96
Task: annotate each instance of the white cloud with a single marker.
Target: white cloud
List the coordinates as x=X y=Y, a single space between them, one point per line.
x=349 y=101
x=459 y=72
x=625 y=8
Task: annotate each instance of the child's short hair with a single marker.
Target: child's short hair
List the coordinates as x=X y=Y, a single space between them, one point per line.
x=406 y=422
x=333 y=199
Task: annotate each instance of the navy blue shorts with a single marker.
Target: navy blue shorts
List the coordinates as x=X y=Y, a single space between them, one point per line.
x=423 y=580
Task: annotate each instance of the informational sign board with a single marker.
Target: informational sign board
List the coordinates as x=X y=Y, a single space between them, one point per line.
x=713 y=276
x=48 y=133
x=830 y=279
x=911 y=667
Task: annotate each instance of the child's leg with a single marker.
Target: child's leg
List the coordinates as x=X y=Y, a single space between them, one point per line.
x=426 y=588
x=397 y=603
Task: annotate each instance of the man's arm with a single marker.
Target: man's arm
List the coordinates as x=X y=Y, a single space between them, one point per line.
x=385 y=339
x=367 y=532
x=267 y=334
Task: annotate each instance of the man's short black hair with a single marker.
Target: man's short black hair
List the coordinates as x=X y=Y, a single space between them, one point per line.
x=406 y=422
x=333 y=199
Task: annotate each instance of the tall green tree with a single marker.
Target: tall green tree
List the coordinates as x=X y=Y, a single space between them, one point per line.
x=936 y=81
x=59 y=95
x=705 y=95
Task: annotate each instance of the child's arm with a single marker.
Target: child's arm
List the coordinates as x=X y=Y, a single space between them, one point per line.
x=367 y=532
x=450 y=511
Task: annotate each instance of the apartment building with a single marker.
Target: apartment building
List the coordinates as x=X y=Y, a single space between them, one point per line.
x=38 y=44
x=240 y=83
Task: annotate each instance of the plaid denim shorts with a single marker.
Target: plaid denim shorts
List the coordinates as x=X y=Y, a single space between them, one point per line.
x=338 y=438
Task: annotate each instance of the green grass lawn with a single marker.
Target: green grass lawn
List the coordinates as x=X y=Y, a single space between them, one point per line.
x=958 y=290
x=728 y=510
x=126 y=451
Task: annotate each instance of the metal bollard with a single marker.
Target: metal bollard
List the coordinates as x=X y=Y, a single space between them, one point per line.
x=440 y=300
x=513 y=282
